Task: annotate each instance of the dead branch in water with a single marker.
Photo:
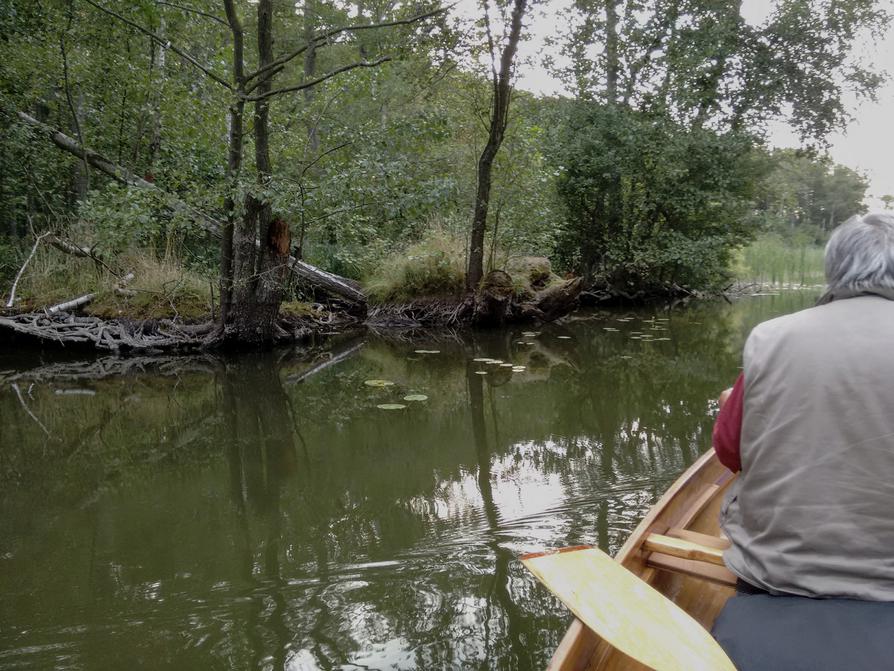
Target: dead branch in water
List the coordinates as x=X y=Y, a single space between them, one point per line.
x=27 y=409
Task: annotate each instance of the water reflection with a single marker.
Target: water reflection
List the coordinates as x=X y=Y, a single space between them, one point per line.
x=265 y=513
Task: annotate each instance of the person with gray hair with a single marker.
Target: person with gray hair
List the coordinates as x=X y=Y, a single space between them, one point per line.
x=809 y=426
x=860 y=257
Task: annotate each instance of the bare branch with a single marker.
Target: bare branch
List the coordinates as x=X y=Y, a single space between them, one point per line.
x=165 y=43
x=322 y=156
x=318 y=80
x=194 y=11
x=12 y=292
x=324 y=37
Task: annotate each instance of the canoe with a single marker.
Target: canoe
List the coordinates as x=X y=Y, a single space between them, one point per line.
x=677 y=549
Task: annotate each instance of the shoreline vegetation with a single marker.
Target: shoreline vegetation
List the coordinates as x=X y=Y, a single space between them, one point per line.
x=237 y=175
x=162 y=305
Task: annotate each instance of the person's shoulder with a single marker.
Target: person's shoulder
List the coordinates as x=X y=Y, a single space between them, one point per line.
x=772 y=334
x=784 y=323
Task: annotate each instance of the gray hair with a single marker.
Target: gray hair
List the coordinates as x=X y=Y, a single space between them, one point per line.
x=860 y=254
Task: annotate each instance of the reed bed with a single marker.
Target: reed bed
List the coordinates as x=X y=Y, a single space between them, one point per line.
x=773 y=261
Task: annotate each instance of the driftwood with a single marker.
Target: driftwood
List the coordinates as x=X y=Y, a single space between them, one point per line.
x=72 y=304
x=339 y=286
x=81 y=301
x=558 y=299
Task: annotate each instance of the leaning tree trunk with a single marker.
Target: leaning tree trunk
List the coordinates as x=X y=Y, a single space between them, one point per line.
x=498 y=120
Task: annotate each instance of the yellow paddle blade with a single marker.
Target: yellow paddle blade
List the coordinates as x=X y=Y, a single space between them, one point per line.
x=626 y=612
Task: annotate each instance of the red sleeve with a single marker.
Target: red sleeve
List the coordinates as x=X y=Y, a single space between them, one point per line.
x=728 y=427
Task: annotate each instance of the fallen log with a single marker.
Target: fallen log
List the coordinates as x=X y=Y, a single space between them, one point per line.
x=329 y=282
x=65 y=306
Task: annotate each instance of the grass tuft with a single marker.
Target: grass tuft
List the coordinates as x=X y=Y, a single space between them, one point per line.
x=433 y=267
x=160 y=287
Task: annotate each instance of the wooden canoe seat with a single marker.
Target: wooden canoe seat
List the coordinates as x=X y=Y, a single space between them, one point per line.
x=719 y=542
x=689 y=553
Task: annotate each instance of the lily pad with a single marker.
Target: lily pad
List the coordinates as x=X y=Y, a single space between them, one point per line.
x=391 y=406
x=415 y=397
x=378 y=383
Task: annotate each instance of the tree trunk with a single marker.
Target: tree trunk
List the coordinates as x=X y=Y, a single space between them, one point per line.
x=155 y=134
x=499 y=116
x=234 y=163
x=260 y=270
x=710 y=88
x=612 y=63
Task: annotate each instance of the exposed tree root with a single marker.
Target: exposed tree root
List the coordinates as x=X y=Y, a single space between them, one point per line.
x=149 y=336
x=111 y=335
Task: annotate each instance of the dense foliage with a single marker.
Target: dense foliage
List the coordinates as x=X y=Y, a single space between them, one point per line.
x=650 y=204
x=649 y=178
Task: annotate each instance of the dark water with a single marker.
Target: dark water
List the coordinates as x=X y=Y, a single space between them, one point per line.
x=241 y=514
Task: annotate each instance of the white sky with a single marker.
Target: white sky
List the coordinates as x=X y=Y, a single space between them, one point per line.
x=866 y=145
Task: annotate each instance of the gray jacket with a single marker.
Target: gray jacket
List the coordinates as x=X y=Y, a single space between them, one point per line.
x=812 y=512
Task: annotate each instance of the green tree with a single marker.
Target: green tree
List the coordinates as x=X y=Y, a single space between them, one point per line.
x=501 y=79
x=651 y=206
x=807 y=195
x=693 y=74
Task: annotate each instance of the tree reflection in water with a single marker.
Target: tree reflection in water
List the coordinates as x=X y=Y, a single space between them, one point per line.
x=196 y=513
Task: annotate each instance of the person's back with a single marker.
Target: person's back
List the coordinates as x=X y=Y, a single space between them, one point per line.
x=810 y=427
x=811 y=512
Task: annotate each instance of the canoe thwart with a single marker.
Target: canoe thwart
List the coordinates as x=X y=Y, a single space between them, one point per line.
x=683 y=548
x=696 y=569
x=719 y=542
